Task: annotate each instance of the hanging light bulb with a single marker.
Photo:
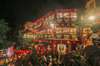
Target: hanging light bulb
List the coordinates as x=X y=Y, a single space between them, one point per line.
x=52 y=25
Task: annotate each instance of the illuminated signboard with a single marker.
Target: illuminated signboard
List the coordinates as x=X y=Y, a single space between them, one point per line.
x=61 y=33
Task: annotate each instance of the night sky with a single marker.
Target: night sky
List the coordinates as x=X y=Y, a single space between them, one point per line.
x=18 y=11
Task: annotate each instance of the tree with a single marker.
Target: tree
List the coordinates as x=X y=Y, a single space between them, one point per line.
x=96 y=27
x=3 y=33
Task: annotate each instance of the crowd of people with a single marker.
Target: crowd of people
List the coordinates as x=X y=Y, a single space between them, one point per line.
x=87 y=56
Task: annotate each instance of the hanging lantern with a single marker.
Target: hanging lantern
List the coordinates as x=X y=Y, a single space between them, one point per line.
x=23 y=51
x=61 y=48
x=40 y=50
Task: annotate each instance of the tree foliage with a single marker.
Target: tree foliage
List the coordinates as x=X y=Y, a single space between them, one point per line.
x=96 y=27
x=3 y=33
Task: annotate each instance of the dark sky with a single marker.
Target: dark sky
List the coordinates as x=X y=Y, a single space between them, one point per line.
x=17 y=11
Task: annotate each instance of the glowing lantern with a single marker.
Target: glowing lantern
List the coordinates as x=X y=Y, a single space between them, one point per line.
x=10 y=51
x=23 y=51
x=61 y=48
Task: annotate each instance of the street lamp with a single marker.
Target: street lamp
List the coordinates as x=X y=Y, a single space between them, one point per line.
x=52 y=25
x=91 y=18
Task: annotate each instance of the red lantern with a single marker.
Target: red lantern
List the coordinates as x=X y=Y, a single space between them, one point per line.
x=23 y=51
